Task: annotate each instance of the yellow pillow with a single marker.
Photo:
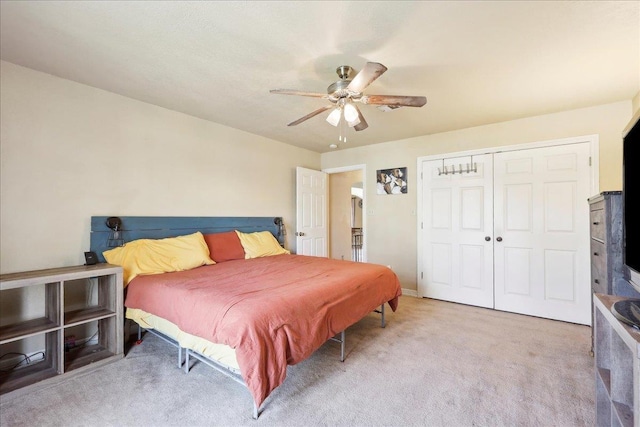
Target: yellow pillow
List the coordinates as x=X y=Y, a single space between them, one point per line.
x=259 y=244
x=152 y=256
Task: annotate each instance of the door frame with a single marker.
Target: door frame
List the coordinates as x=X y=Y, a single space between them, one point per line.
x=594 y=144
x=363 y=168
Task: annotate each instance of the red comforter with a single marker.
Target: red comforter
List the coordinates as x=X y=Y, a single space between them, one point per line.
x=273 y=311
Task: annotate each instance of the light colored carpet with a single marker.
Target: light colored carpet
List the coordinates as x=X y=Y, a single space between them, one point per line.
x=435 y=364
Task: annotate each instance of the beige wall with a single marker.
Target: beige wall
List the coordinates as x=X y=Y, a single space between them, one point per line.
x=70 y=151
x=391 y=221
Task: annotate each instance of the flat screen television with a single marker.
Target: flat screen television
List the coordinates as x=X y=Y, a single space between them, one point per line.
x=631 y=201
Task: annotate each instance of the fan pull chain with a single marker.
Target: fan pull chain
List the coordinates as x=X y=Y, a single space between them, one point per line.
x=343 y=128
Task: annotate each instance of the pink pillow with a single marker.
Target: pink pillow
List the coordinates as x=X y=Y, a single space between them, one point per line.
x=224 y=246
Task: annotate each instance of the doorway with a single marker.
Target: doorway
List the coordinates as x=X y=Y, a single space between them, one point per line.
x=346 y=206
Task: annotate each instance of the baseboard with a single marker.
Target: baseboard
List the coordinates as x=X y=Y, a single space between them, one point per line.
x=410 y=292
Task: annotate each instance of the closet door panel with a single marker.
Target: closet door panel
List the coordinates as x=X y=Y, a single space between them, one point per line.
x=472 y=260
x=541 y=220
x=560 y=274
x=441 y=264
x=456 y=258
x=517 y=271
x=518 y=207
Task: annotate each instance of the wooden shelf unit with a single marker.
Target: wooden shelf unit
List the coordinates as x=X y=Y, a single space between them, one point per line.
x=617 y=367
x=56 y=320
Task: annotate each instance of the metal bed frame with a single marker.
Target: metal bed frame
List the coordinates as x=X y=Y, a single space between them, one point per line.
x=184 y=363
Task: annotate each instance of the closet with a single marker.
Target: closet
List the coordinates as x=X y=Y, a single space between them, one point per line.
x=508 y=230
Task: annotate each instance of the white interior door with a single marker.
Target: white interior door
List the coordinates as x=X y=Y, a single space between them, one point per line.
x=457 y=231
x=311 y=212
x=514 y=236
x=541 y=232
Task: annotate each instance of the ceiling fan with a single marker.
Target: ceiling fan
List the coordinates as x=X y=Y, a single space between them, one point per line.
x=344 y=93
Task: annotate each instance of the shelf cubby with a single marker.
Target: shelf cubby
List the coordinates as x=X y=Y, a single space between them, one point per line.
x=617 y=367
x=100 y=292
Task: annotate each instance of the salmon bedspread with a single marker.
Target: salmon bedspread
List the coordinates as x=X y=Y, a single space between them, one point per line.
x=274 y=311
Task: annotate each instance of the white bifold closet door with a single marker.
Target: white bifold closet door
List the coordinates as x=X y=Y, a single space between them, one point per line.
x=514 y=235
x=457 y=221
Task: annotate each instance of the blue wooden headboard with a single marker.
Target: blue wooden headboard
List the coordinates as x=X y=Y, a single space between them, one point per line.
x=158 y=227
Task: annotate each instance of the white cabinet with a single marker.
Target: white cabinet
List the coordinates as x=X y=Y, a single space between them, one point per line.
x=60 y=317
x=617 y=367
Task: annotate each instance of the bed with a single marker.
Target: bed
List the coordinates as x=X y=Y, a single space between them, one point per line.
x=251 y=316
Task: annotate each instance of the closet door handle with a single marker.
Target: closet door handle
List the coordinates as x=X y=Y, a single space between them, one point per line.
x=499 y=239
x=487 y=238
x=595 y=254
x=596 y=223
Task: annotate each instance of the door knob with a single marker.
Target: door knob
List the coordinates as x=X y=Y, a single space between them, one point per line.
x=499 y=239
x=487 y=238
x=299 y=233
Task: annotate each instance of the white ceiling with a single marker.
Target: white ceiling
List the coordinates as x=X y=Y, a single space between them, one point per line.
x=476 y=62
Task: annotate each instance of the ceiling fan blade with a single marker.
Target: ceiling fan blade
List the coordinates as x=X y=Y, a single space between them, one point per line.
x=363 y=123
x=400 y=101
x=370 y=72
x=299 y=92
x=312 y=114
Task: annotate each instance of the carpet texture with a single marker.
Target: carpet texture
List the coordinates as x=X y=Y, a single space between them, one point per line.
x=435 y=364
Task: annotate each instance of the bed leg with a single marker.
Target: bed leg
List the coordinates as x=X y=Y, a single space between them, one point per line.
x=186 y=360
x=381 y=311
x=341 y=340
x=255 y=411
x=139 y=341
x=180 y=356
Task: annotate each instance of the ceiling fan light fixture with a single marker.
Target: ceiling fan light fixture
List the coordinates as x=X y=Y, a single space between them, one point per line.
x=343 y=95
x=334 y=116
x=350 y=114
